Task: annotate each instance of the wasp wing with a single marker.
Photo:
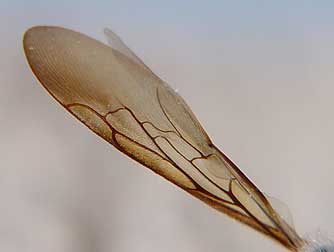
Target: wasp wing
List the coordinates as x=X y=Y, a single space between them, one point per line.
x=118 y=97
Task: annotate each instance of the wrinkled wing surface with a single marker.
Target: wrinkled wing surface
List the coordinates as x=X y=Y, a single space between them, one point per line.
x=117 y=96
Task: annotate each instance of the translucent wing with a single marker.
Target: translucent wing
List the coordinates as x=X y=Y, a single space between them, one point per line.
x=112 y=92
x=117 y=44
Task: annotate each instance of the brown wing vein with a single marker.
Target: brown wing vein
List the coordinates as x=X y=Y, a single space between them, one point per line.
x=180 y=135
x=114 y=131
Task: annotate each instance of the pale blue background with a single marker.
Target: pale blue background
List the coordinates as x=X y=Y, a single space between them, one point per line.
x=259 y=75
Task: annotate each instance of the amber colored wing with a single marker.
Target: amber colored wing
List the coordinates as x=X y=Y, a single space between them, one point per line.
x=118 y=97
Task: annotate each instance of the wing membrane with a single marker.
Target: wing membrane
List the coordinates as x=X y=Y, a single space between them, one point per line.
x=118 y=97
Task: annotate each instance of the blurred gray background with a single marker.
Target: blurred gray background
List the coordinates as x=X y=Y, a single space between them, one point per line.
x=259 y=76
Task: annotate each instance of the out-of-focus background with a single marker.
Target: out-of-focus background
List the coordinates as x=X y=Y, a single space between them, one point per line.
x=259 y=76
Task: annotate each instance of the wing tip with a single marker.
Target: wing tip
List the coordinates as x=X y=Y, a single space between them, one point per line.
x=30 y=34
x=27 y=37
x=41 y=29
x=32 y=30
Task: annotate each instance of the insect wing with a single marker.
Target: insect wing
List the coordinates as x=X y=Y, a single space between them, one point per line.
x=117 y=96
